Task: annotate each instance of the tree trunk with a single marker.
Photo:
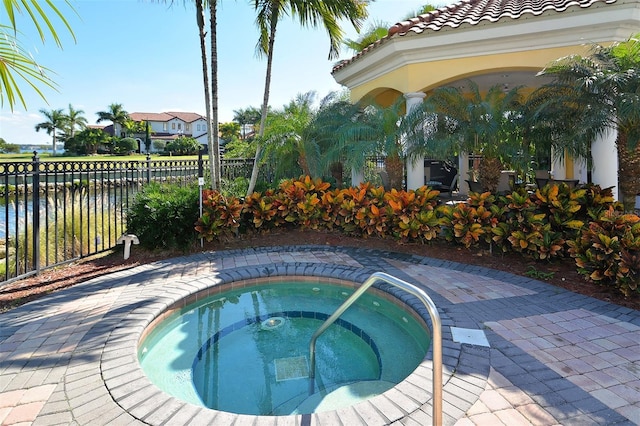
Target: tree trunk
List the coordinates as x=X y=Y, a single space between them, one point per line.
x=336 y=173
x=265 y=103
x=628 y=171
x=304 y=165
x=215 y=168
x=205 y=81
x=395 y=169
x=489 y=173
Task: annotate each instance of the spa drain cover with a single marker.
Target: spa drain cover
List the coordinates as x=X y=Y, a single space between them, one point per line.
x=291 y=368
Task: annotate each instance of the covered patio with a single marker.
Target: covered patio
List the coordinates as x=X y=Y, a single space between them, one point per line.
x=490 y=42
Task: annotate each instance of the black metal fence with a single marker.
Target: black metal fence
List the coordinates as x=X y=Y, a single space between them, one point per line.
x=58 y=212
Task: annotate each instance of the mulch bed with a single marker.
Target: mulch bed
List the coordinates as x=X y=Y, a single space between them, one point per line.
x=561 y=273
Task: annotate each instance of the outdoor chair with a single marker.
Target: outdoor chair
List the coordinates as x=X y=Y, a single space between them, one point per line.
x=541 y=182
x=571 y=183
x=448 y=189
x=474 y=186
x=542 y=178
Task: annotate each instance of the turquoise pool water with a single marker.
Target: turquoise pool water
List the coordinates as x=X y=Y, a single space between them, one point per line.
x=246 y=351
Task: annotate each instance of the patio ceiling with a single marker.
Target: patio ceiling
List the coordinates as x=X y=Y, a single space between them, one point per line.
x=507 y=80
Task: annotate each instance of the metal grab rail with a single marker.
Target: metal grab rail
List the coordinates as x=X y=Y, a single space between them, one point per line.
x=436 y=341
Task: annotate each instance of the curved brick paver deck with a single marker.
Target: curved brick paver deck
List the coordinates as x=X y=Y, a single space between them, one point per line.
x=554 y=357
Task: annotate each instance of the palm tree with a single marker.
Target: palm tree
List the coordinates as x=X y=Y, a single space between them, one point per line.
x=285 y=132
x=202 y=34
x=308 y=12
x=15 y=61
x=210 y=83
x=246 y=117
x=334 y=110
x=457 y=121
x=74 y=121
x=213 y=128
x=375 y=32
x=590 y=96
x=364 y=130
x=131 y=127
x=378 y=30
x=56 y=120
x=421 y=11
x=116 y=114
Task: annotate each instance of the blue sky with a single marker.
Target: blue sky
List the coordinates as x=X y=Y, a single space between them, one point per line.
x=146 y=56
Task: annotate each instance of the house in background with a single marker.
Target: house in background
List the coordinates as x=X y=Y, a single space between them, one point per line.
x=505 y=42
x=167 y=126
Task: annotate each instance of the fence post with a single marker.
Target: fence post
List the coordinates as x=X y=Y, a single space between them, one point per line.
x=148 y=168
x=200 y=185
x=35 y=190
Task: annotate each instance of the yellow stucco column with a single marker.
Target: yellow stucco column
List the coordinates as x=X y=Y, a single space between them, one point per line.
x=415 y=168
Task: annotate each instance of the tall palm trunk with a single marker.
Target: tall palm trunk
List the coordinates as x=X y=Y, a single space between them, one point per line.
x=265 y=101
x=215 y=168
x=628 y=171
x=395 y=169
x=489 y=172
x=54 y=141
x=304 y=164
x=205 y=81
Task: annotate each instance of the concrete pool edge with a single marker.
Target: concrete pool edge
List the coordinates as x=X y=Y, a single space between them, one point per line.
x=134 y=393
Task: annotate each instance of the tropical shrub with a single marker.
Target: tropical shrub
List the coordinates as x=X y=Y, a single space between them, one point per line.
x=346 y=204
x=608 y=251
x=413 y=214
x=158 y=145
x=182 y=145
x=561 y=206
x=260 y=211
x=125 y=146
x=542 y=225
x=469 y=223
x=596 y=201
x=372 y=216
x=520 y=225
x=163 y=216
x=220 y=216
x=299 y=201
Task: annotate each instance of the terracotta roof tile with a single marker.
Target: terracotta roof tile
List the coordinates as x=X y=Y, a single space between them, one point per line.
x=150 y=116
x=187 y=117
x=473 y=12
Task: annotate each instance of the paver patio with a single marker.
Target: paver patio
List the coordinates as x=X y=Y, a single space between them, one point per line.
x=555 y=357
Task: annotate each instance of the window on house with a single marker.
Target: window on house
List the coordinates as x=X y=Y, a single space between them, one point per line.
x=187 y=127
x=179 y=126
x=197 y=127
x=173 y=126
x=164 y=126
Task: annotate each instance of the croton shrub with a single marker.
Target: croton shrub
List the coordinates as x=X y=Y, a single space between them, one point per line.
x=553 y=222
x=608 y=251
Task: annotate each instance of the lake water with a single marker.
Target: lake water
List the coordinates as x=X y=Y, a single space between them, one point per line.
x=13 y=214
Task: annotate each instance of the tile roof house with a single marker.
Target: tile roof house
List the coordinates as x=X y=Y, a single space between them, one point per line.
x=504 y=42
x=166 y=126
